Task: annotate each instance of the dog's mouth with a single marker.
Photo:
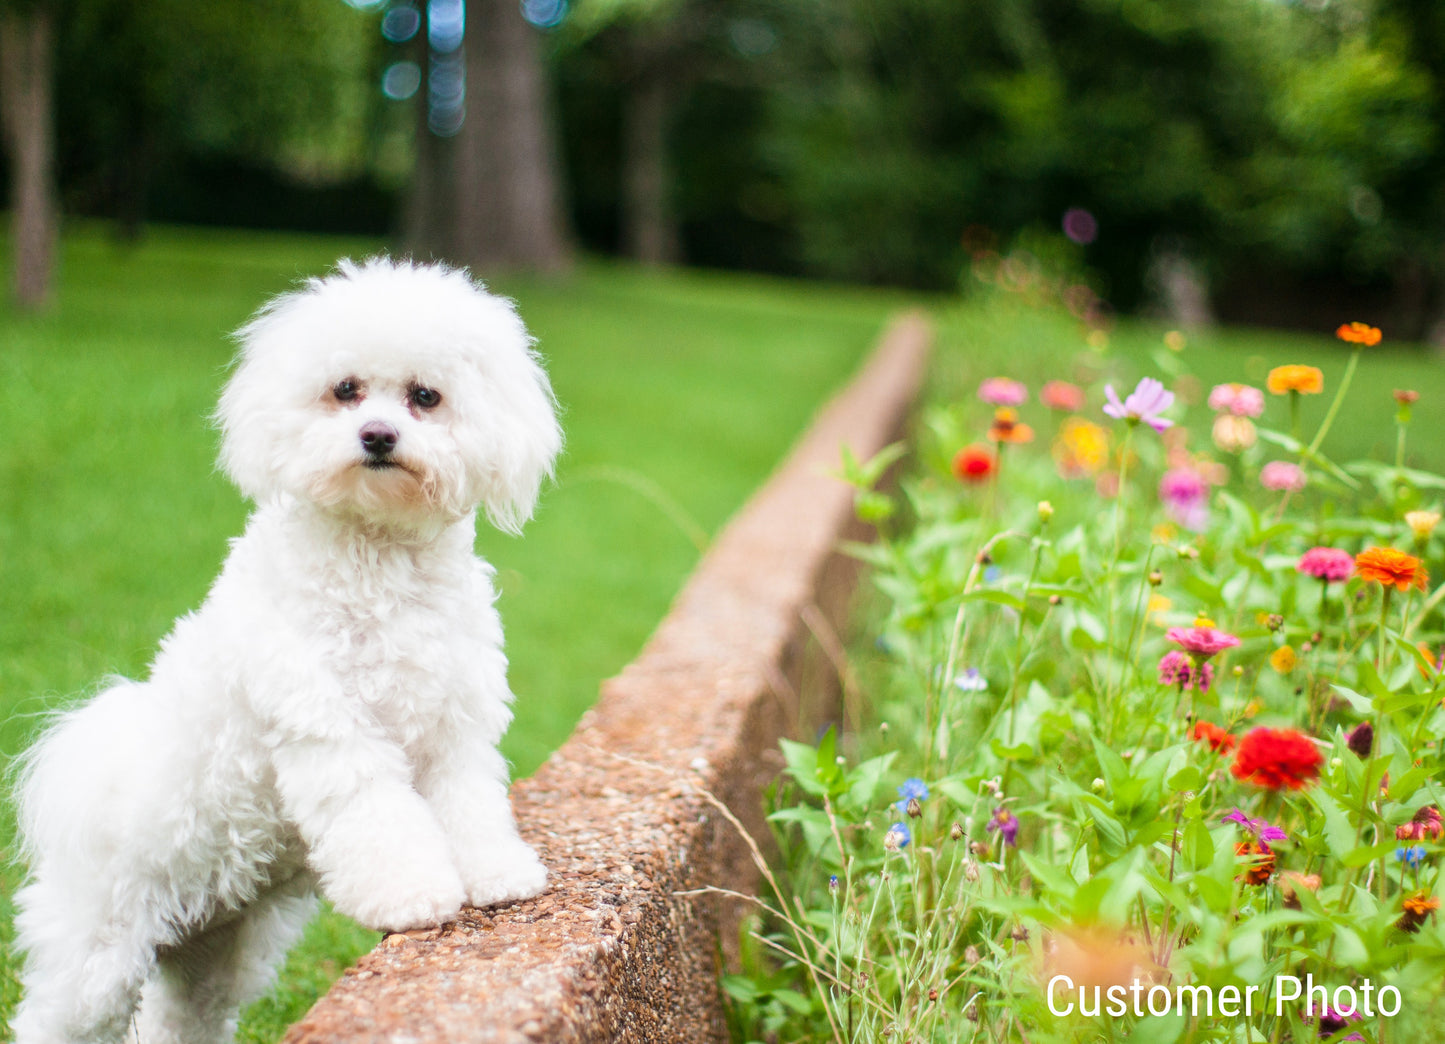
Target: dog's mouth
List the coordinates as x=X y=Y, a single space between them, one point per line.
x=379 y=464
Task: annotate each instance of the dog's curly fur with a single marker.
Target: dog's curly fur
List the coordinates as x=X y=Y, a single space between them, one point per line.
x=328 y=720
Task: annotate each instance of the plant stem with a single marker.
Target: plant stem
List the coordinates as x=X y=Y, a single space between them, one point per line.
x=1329 y=420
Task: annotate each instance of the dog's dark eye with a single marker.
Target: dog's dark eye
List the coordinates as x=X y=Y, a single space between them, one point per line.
x=346 y=390
x=425 y=398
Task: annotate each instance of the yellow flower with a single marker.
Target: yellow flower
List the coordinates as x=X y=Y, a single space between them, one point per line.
x=1158 y=606
x=1422 y=523
x=1283 y=659
x=1174 y=341
x=1307 y=380
x=1200 y=620
x=1081 y=448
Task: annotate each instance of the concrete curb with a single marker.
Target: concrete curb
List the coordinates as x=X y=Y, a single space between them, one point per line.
x=612 y=951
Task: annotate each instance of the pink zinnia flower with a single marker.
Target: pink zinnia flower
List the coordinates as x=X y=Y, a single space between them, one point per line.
x=1239 y=399
x=1176 y=668
x=1201 y=642
x=1281 y=475
x=1001 y=391
x=1144 y=404
x=1061 y=395
x=1186 y=497
x=1329 y=564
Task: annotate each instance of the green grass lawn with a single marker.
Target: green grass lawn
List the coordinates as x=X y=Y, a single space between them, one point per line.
x=680 y=392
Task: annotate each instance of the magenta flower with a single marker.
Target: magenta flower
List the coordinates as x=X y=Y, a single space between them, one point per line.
x=1263 y=831
x=1001 y=391
x=1007 y=825
x=1144 y=404
x=1176 y=668
x=1201 y=642
x=1185 y=494
x=1329 y=564
x=1239 y=399
x=1281 y=475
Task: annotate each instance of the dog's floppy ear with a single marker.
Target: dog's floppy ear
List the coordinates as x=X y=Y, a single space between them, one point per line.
x=514 y=420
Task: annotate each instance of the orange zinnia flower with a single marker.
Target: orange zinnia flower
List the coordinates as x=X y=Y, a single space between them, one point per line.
x=1359 y=333
x=1385 y=565
x=1417 y=908
x=1307 y=380
x=1259 y=862
x=1007 y=427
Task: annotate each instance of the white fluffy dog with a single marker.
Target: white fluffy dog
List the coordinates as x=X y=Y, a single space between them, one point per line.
x=329 y=718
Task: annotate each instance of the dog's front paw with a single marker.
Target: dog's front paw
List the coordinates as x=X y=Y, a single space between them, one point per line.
x=405 y=894
x=510 y=871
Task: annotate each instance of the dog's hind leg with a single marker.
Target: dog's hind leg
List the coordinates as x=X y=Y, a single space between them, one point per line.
x=200 y=986
x=82 y=981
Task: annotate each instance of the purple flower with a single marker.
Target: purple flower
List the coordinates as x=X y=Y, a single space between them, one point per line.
x=1332 y=1021
x=1145 y=403
x=1361 y=739
x=1263 y=831
x=1186 y=498
x=1007 y=825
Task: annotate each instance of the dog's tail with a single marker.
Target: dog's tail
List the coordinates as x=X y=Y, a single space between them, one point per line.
x=61 y=765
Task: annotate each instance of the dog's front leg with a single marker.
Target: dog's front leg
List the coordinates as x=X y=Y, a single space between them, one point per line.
x=466 y=786
x=378 y=850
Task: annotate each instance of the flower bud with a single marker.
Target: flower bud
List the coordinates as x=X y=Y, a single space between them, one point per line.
x=1156 y=578
x=1046 y=511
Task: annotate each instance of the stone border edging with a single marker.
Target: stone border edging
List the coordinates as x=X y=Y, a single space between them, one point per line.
x=611 y=951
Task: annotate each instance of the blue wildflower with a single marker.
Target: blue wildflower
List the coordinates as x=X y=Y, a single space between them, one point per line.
x=898 y=836
x=913 y=787
x=971 y=680
x=1412 y=856
x=832 y=882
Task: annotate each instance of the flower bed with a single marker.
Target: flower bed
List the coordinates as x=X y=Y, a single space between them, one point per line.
x=1155 y=748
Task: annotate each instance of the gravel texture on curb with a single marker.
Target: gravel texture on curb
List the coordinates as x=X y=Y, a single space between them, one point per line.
x=623 y=814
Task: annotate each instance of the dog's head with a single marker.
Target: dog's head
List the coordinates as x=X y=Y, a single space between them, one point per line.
x=395 y=391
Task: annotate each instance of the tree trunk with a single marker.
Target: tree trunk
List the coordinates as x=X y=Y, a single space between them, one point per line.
x=508 y=212
x=27 y=115
x=649 y=228
x=428 y=220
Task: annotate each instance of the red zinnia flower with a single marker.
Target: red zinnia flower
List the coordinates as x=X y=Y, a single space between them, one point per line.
x=973 y=463
x=1277 y=759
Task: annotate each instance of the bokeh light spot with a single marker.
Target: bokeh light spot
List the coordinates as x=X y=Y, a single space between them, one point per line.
x=400 y=80
x=1080 y=226
x=400 y=23
x=545 y=14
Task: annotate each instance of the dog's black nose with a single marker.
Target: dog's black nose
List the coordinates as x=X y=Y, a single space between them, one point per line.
x=378 y=438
